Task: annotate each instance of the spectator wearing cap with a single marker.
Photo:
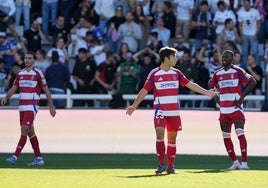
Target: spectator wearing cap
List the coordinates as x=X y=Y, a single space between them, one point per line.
x=8 y=48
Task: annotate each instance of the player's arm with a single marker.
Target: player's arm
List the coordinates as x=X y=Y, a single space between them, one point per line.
x=246 y=91
x=50 y=101
x=10 y=92
x=198 y=89
x=143 y=92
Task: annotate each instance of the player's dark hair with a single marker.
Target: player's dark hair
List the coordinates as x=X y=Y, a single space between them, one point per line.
x=31 y=53
x=166 y=52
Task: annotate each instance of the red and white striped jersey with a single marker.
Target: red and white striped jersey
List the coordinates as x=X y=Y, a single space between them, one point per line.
x=30 y=84
x=230 y=86
x=165 y=87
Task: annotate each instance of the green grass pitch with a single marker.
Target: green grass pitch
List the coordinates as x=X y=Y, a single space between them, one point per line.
x=130 y=171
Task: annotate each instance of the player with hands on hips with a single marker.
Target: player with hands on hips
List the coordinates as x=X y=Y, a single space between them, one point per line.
x=164 y=81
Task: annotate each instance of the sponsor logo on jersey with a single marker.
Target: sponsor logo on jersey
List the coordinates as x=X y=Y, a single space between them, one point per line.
x=168 y=85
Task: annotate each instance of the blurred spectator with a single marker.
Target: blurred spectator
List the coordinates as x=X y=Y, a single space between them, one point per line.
x=62 y=51
x=259 y=5
x=249 y=26
x=144 y=23
x=163 y=33
x=202 y=23
x=105 y=9
x=184 y=13
x=98 y=52
x=229 y=33
x=147 y=60
x=66 y=9
x=130 y=32
x=221 y=15
x=190 y=71
x=169 y=19
x=8 y=48
x=57 y=77
x=41 y=62
x=86 y=10
x=180 y=44
x=127 y=72
x=145 y=6
x=49 y=14
x=19 y=58
x=157 y=8
x=153 y=42
x=237 y=59
x=256 y=71
x=33 y=37
x=122 y=55
x=3 y=76
x=105 y=77
x=59 y=30
x=84 y=75
x=23 y=7
x=79 y=31
x=113 y=24
x=124 y=4
x=98 y=34
x=7 y=11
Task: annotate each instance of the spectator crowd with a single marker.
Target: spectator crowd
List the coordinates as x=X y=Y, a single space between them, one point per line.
x=110 y=46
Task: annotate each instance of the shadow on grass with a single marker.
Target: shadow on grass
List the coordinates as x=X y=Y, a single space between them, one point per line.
x=206 y=163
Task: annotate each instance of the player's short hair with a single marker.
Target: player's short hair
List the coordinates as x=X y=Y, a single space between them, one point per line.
x=31 y=53
x=166 y=52
x=228 y=51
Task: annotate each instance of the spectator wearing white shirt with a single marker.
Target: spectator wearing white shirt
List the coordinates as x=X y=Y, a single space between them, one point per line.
x=163 y=33
x=249 y=26
x=62 y=52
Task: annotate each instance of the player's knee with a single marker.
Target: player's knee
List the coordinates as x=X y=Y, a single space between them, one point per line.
x=25 y=130
x=239 y=132
x=226 y=134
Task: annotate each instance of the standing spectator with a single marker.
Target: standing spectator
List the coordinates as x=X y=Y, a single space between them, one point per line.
x=237 y=59
x=112 y=36
x=202 y=23
x=29 y=81
x=66 y=8
x=228 y=81
x=105 y=9
x=169 y=19
x=84 y=74
x=184 y=14
x=127 y=72
x=49 y=12
x=19 y=58
x=23 y=7
x=157 y=8
x=60 y=30
x=256 y=71
x=105 y=76
x=6 y=18
x=130 y=32
x=98 y=52
x=249 y=26
x=122 y=55
x=163 y=33
x=41 y=62
x=229 y=33
x=8 y=48
x=165 y=82
x=124 y=4
x=146 y=4
x=144 y=23
x=57 y=76
x=153 y=42
x=3 y=76
x=181 y=45
x=33 y=37
x=62 y=52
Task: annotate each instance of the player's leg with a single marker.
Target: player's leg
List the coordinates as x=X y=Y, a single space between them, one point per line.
x=228 y=143
x=239 y=129
x=160 y=123
x=25 y=121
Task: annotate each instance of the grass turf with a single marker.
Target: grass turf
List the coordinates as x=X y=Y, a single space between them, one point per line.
x=130 y=170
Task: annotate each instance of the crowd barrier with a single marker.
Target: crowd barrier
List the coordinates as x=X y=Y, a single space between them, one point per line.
x=69 y=97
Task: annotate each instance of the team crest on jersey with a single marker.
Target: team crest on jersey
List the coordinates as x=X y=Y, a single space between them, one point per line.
x=232 y=76
x=221 y=78
x=174 y=77
x=32 y=78
x=44 y=81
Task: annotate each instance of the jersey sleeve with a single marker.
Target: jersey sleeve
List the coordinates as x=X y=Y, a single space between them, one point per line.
x=149 y=83
x=182 y=79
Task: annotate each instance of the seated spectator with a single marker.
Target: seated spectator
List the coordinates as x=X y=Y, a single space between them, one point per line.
x=180 y=44
x=42 y=63
x=3 y=76
x=153 y=42
x=62 y=51
x=98 y=52
x=33 y=37
x=8 y=48
x=163 y=33
x=57 y=77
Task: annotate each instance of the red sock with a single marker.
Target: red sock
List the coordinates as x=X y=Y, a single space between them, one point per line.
x=230 y=148
x=171 y=153
x=21 y=144
x=35 y=146
x=243 y=147
x=160 y=150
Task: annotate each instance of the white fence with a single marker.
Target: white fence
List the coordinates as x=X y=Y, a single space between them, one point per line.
x=69 y=97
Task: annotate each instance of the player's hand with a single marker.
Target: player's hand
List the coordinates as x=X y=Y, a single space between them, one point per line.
x=238 y=103
x=3 y=101
x=52 y=111
x=130 y=110
x=211 y=93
